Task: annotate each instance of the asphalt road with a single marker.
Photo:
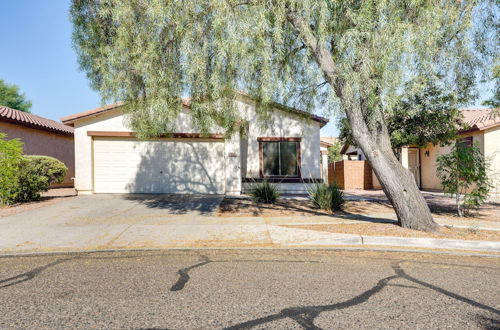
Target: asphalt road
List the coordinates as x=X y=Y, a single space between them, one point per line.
x=281 y=289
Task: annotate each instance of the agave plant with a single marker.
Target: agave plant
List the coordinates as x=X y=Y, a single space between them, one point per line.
x=265 y=192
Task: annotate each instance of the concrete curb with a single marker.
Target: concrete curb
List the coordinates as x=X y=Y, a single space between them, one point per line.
x=405 y=242
x=433 y=243
x=330 y=248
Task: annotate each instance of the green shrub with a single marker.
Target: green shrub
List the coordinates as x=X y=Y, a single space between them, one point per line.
x=329 y=198
x=36 y=175
x=464 y=175
x=10 y=161
x=264 y=192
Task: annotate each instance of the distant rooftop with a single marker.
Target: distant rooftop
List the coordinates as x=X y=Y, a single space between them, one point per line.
x=328 y=141
x=30 y=120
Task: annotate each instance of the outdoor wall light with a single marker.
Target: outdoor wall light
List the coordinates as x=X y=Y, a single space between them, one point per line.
x=427 y=153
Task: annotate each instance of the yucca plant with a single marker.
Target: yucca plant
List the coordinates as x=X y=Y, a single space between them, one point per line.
x=329 y=198
x=265 y=192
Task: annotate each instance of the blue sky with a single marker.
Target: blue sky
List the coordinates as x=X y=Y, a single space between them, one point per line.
x=37 y=55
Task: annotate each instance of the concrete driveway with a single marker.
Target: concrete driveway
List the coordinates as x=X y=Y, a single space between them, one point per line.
x=96 y=221
x=106 y=221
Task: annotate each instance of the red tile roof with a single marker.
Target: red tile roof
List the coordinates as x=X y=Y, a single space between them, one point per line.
x=481 y=119
x=33 y=121
x=186 y=102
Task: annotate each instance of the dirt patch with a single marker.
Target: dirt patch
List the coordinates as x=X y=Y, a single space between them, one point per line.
x=379 y=229
x=440 y=205
x=364 y=207
x=48 y=198
x=239 y=207
x=231 y=207
x=487 y=212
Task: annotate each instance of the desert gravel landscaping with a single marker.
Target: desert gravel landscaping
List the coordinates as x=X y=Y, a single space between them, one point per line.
x=440 y=205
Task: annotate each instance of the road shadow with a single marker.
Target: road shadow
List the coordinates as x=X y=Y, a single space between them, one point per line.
x=184 y=274
x=31 y=274
x=306 y=315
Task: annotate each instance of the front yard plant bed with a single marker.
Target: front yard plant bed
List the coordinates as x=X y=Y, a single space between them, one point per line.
x=385 y=229
x=245 y=207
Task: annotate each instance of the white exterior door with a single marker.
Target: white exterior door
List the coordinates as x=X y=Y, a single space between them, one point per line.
x=158 y=166
x=414 y=164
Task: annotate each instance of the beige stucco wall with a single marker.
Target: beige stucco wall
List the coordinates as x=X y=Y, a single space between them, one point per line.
x=492 y=155
x=428 y=163
x=39 y=142
x=280 y=124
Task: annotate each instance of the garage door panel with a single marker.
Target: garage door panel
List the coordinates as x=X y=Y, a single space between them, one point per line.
x=129 y=166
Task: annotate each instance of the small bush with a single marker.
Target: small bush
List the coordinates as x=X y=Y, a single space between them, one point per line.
x=464 y=175
x=10 y=161
x=36 y=175
x=329 y=198
x=264 y=192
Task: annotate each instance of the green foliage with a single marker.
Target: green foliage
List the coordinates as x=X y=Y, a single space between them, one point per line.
x=463 y=175
x=150 y=53
x=494 y=102
x=424 y=114
x=10 y=161
x=36 y=174
x=264 y=192
x=329 y=198
x=334 y=152
x=345 y=132
x=11 y=97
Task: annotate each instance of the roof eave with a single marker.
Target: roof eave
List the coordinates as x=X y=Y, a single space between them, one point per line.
x=38 y=127
x=71 y=119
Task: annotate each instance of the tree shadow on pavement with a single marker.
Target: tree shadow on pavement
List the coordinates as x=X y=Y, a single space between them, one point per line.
x=305 y=315
x=184 y=276
x=29 y=275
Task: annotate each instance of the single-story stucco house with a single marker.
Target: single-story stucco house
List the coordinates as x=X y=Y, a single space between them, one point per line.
x=110 y=159
x=483 y=130
x=41 y=136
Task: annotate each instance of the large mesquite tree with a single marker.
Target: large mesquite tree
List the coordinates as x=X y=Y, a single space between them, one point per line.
x=351 y=56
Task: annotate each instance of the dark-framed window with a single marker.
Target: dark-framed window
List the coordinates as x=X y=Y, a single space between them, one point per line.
x=279 y=157
x=466 y=141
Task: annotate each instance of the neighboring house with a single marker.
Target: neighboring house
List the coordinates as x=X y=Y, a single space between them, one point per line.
x=41 y=136
x=109 y=159
x=483 y=130
x=324 y=143
x=350 y=152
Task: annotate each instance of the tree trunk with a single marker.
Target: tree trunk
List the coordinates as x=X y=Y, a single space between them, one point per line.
x=459 y=209
x=400 y=188
x=396 y=181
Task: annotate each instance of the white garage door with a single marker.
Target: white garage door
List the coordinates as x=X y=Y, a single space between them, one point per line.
x=159 y=166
